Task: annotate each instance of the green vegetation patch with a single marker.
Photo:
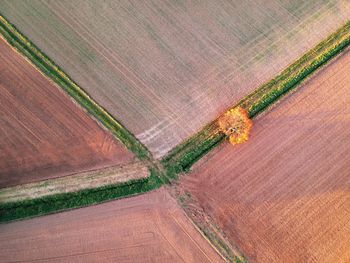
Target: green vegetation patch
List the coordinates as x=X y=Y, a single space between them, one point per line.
x=185 y=155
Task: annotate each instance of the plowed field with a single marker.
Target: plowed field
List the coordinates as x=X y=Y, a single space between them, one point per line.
x=146 y=228
x=167 y=68
x=284 y=195
x=43 y=133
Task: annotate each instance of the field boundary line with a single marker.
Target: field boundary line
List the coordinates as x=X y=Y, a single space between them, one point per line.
x=75 y=182
x=202 y=222
x=63 y=201
x=183 y=156
x=45 y=65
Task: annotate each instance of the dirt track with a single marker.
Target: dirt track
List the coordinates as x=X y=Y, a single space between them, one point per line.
x=43 y=134
x=284 y=196
x=146 y=228
x=167 y=68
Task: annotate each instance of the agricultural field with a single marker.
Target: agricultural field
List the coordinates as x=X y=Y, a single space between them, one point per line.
x=147 y=228
x=43 y=133
x=284 y=195
x=221 y=127
x=167 y=68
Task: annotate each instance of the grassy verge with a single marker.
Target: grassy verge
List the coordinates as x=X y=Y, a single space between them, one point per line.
x=51 y=70
x=75 y=182
x=60 y=202
x=185 y=155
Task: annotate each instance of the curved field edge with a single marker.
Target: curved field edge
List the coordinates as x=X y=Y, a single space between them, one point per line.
x=181 y=158
x=22 y=44
x=61 y=202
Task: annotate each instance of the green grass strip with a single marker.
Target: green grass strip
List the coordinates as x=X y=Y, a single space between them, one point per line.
x=59 y=202
x=185 y=155
x=182 y=157
x=51 y=70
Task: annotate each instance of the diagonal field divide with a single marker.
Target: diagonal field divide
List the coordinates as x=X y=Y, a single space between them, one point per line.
x=51 y=70
x=182 y=157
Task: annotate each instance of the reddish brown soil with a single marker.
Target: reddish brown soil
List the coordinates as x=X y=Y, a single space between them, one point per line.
x=284 y=195
x=146 y=228
x=43 y=134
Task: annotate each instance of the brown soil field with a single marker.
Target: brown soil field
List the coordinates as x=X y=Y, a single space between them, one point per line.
x=43 y=133
x=284 y=195
x=145 y=228
x=167 y=68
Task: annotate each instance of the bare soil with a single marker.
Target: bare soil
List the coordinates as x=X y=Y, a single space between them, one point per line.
x=43 y=133
x=167 y=68
x=284 y=195
x=145 y=228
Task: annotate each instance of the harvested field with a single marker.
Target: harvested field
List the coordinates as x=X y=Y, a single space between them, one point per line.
x=147 y=228
x=284 y=196
x=162 y=67
x=43 y=133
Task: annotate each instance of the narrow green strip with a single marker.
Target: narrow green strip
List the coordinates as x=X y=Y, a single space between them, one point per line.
x=291 y=77
x=182 y=157
x=51 y=70
x=59 y=202
x=185 y=155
